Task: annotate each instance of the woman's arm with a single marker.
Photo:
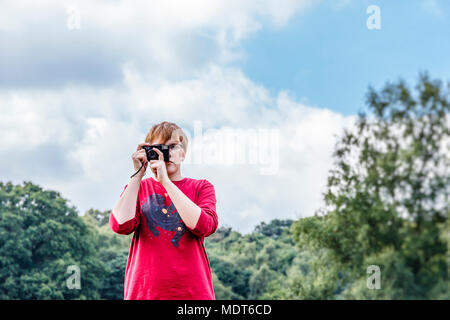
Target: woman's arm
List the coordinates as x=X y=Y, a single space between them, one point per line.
x=125 y=209
x=188 y=210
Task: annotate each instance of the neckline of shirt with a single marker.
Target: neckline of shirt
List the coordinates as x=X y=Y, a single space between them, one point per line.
x=175 y=182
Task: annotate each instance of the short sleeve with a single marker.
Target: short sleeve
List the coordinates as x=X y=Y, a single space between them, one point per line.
x=208 y=221
x=128 y=226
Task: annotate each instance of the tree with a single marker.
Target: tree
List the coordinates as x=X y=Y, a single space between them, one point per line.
x=100 y=217
x=260 y=280
x=387 y=197
x=221 y=291
x=274 y=228
x=112 y=250
x=113 y=281
x=231 y=276
x=40 y=237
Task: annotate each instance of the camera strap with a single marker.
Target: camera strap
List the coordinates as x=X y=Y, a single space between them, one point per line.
x=137 y=171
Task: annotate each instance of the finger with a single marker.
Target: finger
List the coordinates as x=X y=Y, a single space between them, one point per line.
x=157 y=161
x=141 y=159
x=140 y=145
x=142 y=156
x=137 y=154
x=160 y=154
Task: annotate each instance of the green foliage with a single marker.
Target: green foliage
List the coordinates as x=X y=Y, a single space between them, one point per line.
x=259 y=281
x=387 y=198
x=310 y=277
x=112 y=249
x=40 y=236
x=113 y=285
x=221 y=291
x=274 y=228
x=231 y=276
x=248 y=264
x=101 y=218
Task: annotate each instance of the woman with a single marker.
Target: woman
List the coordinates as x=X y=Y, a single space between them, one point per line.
x=170 y=216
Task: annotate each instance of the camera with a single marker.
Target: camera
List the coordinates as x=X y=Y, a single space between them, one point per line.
x=152 y=155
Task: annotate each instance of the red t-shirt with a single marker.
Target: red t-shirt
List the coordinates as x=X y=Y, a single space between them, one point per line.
x=167 y=259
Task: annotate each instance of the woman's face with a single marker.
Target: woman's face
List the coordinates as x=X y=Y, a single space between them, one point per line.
x=176 y=154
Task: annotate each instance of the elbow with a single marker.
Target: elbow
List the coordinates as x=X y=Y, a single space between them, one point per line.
x=206 y=225
x=121 y=228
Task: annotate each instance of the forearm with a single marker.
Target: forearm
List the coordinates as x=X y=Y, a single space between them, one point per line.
x=188 y=210
x=125 y=209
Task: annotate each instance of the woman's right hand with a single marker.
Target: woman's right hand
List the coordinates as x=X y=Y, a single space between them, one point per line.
x=140 y=157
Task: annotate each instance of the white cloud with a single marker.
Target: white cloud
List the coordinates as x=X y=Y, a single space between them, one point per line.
x=173 y=39
x=115 y=121
x=170 y=63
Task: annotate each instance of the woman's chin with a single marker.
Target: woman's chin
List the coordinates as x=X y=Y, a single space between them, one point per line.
x=171 y=168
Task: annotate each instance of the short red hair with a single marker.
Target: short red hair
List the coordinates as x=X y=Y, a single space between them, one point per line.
x=166 y=131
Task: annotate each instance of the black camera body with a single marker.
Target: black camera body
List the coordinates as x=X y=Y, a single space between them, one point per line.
x=152 y=155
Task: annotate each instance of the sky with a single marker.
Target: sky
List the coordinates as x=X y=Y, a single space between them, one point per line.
x=262 y=88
